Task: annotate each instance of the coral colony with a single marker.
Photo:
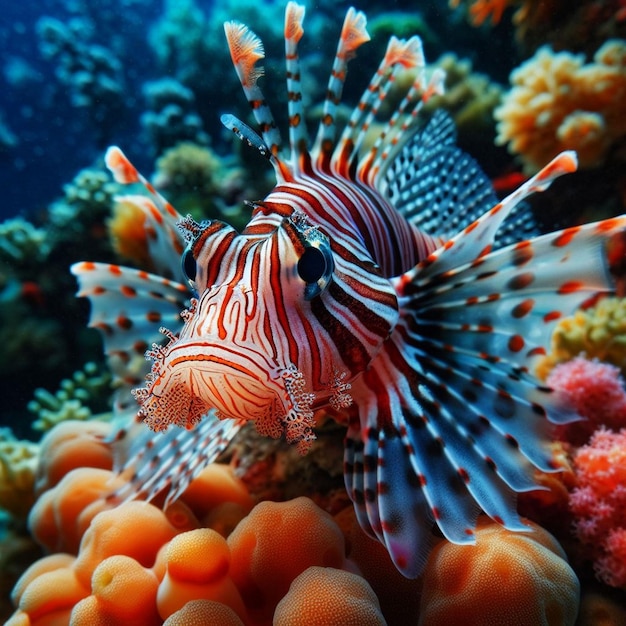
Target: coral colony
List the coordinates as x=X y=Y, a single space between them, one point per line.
x=377 y=346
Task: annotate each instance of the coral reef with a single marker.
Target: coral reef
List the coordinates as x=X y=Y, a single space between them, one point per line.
x=73 y=400
x=218 y=555
x=26 y=339
x=598 y=504
x=18 y=465
x=214 y=554
x=580 y=27
x=471 y=98
x=77 y=515
x=179 y=39
x=197 y=181
x=86 y=201
x=23 y=246
x=558 y=102
x=481 y=11
x=171 y=116
x=324 y=595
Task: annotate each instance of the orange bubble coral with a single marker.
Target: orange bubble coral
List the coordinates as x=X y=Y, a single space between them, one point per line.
x=506 y=578
x=46 y=564
x=202 y=613
x=324 y=595
x=47 y=592
x=122 y=592
x=275 y=543
x=197 y=567
x=61 y=516
x=135 y=529
x=599 y=609
x=69 y=445
x=218 y=498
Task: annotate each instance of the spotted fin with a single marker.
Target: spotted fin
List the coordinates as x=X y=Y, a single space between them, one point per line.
x=463 y=423
x=128 y=307
x=164 y=239
x=441 y=190
x=168 y=461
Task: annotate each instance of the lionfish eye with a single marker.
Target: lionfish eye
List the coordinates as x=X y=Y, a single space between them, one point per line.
x=312 y=265
x=188 y=265
x=315 y=267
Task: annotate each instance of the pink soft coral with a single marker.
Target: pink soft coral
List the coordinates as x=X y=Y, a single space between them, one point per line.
x=597 y=392
x=599 y=504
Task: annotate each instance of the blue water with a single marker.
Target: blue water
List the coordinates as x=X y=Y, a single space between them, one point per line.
x=55 y=138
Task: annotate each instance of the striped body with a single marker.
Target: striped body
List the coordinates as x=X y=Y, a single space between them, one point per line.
x=384 y=283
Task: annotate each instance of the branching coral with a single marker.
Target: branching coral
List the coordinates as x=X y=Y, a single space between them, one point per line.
x=470 y=98
x=596 y=390
x=87 y=200
x=73 y=398
x=559 y=103
x=599 y=504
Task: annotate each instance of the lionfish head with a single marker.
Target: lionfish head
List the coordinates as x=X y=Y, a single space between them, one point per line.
x=246 y=347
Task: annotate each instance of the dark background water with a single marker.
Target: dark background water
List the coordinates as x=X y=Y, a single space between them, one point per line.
x=55 y=139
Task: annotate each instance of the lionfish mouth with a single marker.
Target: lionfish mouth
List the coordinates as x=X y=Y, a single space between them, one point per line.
x=189 y=378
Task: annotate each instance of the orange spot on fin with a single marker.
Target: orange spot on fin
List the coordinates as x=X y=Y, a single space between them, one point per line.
x=122 y=169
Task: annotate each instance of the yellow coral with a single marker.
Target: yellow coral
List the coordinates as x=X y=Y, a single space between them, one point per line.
x=598 y=332
x=18 y=464
x=560 y=103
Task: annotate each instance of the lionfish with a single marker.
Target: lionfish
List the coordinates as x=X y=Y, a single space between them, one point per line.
x=378 y=282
